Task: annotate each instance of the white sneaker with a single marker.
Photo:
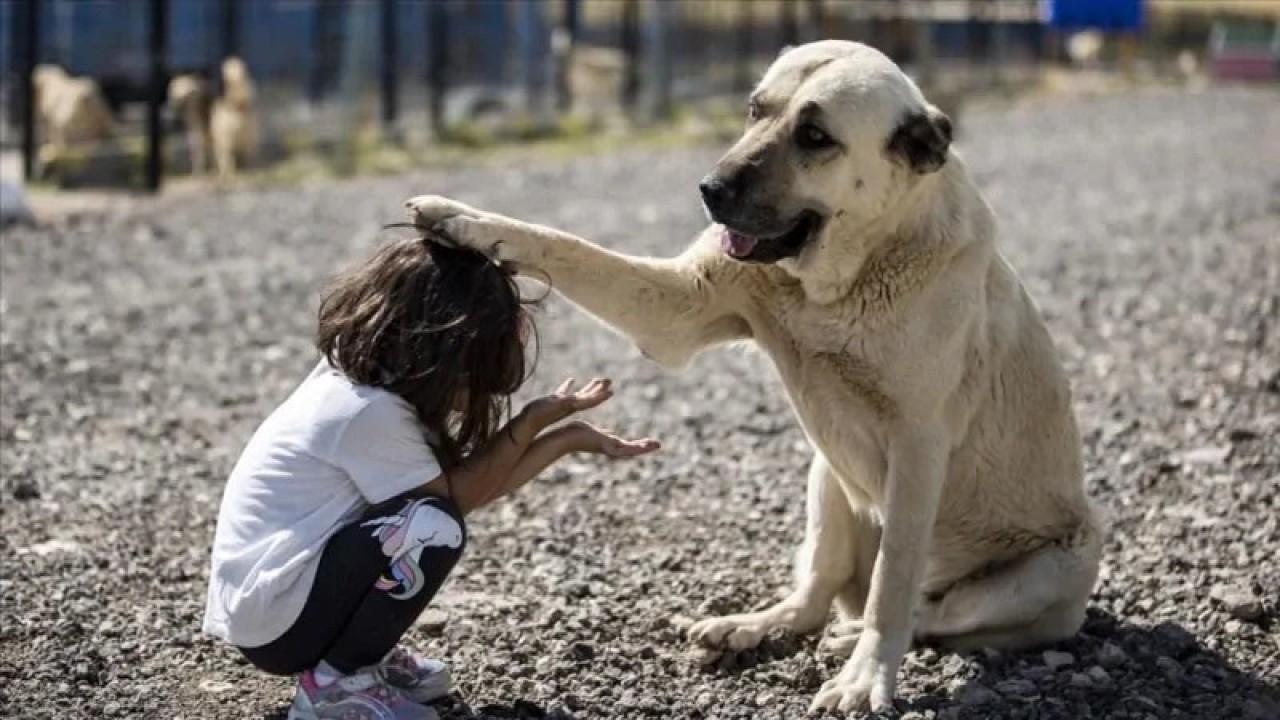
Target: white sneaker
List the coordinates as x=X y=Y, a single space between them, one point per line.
x=420 y=678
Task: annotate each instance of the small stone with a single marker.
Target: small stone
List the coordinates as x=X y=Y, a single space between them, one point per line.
x=582 y=651
x=1039 y=674
x=577 y=589
x=216 y=687
x=1239 y=602
x=809 y=678
x=433 y=620
x=26 y=490
x=1056 y=659
x=1208 y=455
x=681 y=622
x=1099 y=676
x=1256 y=710
x=1015 y=687
x=1081 y=680
x=1242 y=434
x=975 y=695
x=1169 y=667
x=952 y=666
x=780 y=642
x=1111 y=655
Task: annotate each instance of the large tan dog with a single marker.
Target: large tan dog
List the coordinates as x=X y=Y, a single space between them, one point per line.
x=945 y=498
x=72 y=111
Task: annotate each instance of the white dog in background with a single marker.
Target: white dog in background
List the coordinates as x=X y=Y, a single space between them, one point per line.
x=946 y=496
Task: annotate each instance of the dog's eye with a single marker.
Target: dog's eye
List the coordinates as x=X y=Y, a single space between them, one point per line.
x=812 y=137
x=753 y=110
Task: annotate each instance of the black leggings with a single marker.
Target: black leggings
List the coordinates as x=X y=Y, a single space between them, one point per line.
x=361 y=604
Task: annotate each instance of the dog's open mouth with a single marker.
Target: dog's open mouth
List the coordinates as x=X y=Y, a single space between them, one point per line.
x=762 y=249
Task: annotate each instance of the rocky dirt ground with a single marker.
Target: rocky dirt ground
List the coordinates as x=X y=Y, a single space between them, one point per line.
x=141 y=347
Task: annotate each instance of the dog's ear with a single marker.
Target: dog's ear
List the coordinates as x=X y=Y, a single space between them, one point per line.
x=785 y=49
x=921 y=140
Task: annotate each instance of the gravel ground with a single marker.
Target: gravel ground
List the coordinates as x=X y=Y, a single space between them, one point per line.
x=142 y=346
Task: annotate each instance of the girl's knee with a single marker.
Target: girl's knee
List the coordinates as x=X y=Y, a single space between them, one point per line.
x=422 y=537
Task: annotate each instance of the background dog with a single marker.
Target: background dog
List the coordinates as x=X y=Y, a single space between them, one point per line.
x=234 y=122
x=72 y=110
x=223 y=124
x=946 y=497
x=192 y=99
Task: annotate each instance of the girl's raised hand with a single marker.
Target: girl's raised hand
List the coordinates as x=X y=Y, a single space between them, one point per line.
x=550 y=409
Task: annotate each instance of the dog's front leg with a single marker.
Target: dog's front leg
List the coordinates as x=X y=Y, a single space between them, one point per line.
x=823 y=565
x=916 y=472
x=663 y=305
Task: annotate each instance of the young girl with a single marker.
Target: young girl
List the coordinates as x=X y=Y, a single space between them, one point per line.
x=345 y=513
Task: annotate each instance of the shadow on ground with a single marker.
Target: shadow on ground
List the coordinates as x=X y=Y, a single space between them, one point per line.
x=1111 y=669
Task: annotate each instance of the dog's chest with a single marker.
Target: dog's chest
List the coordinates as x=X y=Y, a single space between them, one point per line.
x=831 y=369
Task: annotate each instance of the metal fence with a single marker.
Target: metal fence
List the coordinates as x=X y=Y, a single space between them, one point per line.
x=418 y=70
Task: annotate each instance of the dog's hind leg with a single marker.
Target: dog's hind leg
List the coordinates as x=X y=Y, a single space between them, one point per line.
x=823 y=566
x=851 y=599
x=1038 y=599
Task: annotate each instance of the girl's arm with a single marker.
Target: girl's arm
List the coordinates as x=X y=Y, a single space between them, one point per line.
x=577 y=436
x=471 y=484
x=486 y=474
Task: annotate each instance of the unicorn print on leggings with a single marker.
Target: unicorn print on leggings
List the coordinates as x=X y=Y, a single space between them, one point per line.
x=403 y=536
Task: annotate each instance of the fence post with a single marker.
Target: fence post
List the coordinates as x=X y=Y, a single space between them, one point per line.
x=229 y=27
x=437 y=64
x=742 y=46
x=387 y=24
x=789 y=24
x=29 y=26
x=817 y=21
x=322 y=49
x=158 y=42
x=922 y=46
x=659 y=57
x=630 y=41
x=530 y=37
x=569 y=24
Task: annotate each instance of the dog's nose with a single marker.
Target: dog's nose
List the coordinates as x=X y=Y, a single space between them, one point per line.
x=715 y=192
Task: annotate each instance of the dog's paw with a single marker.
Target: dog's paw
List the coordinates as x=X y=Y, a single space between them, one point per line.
x=464 y=226
x=863 y=684
x=427 y=211
x=842 y=638
x=731 y=632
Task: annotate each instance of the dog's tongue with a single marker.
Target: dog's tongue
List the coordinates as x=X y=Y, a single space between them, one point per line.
x=736 y=244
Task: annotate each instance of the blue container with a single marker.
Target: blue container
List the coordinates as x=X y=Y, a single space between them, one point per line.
x=1104 y=15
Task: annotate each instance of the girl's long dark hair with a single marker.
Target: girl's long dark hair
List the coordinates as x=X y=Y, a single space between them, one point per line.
x=434 y=325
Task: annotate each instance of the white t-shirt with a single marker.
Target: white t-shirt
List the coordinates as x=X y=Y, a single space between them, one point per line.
x=333 y=449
